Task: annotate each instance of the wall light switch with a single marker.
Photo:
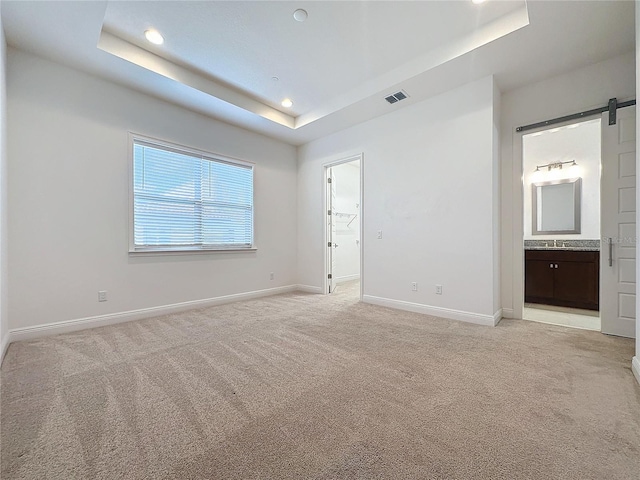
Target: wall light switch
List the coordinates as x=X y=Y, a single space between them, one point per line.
x=379 y=234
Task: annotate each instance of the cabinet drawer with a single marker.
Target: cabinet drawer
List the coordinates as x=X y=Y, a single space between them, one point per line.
x=562 y=255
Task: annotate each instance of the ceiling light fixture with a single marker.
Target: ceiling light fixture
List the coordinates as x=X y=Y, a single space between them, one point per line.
x=300 y=15
x=154 y=36
x=287 y=103
x=478 y=2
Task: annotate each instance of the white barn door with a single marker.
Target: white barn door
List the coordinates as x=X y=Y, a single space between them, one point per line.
x=618 y=225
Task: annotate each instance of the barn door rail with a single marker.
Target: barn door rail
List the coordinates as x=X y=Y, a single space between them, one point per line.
x=611 y=107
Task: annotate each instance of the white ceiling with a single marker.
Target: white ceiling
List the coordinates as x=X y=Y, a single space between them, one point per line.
x=219 y=57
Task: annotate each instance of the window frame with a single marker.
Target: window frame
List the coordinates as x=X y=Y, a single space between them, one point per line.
x=181 y=149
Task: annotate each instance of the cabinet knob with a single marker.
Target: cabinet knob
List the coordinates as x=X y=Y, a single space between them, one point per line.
x=556 y=265
x=551 y=265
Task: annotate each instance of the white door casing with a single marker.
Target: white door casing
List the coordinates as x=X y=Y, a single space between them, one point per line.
x=331 y=228
x=618 y=225
x=328 y=261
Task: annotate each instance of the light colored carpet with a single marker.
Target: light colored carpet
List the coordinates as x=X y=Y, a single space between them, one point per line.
x=311 y=387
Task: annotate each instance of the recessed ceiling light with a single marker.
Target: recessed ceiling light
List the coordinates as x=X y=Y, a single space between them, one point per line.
x=286 y=103
x=478 y=2
x=154 y=36
x=300 y=15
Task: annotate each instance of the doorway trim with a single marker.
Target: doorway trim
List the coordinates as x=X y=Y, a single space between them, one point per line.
x=518 y=197
x=325 y=172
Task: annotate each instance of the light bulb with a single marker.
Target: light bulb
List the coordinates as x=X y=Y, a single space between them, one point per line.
x=154 y=36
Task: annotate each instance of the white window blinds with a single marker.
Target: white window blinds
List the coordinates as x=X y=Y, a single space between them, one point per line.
x=187 y=201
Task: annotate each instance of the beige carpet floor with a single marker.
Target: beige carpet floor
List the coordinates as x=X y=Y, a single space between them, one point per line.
x=310 y=387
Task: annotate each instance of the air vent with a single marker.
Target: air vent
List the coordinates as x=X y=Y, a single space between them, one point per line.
x=396 y=97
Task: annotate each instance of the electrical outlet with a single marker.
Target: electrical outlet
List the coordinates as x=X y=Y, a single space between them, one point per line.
x=272 y=276
x=379 y=234
x=414 y=286
x=102 y=296
x=438 y=289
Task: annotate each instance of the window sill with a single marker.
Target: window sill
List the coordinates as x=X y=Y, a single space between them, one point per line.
x=196 y=251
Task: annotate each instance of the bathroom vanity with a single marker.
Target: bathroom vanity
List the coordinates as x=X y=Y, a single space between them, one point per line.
x=567 y=276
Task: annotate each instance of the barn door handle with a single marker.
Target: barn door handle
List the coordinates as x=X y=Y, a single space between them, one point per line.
x=610 y=240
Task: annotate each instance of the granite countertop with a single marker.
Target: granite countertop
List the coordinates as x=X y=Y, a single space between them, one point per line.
x=568 y=249
x=561 y=245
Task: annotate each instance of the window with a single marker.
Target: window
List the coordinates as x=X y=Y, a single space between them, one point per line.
x=185 y=200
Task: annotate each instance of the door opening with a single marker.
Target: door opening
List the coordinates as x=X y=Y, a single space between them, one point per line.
x=343 y=226
x=579 y=224
x=561 y=219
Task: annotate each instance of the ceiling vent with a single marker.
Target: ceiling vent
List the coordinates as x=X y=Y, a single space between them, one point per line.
x=396 y=97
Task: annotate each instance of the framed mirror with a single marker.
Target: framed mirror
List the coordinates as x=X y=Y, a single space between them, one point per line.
x=556 y=206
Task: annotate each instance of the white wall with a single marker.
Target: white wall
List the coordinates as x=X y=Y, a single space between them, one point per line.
x=636 y=359
x=430 y=185
x=497 y=199
x=3 y=194
x=347 y=187
x=562 y=144
x=68 y=198
x=579 y=90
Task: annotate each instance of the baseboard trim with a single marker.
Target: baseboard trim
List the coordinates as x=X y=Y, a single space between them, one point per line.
x=469 y=317
x=347 y=278
x=4 y=345
x=308 y=289
x=497 y=317
x=635 y=368
x=47 y=329
x=507 y=312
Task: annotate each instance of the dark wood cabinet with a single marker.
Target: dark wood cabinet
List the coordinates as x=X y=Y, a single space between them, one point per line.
x=562 y=277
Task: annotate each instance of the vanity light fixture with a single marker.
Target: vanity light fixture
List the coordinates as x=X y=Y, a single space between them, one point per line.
x=154 y=36
x=557 y=165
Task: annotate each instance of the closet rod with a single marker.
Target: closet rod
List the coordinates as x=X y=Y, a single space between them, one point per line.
x=611 y=107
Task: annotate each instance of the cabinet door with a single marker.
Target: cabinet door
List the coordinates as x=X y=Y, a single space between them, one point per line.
x=576 y=282
x=538 y=281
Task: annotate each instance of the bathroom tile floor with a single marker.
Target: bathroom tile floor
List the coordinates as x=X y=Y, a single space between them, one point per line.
x=568 y=317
